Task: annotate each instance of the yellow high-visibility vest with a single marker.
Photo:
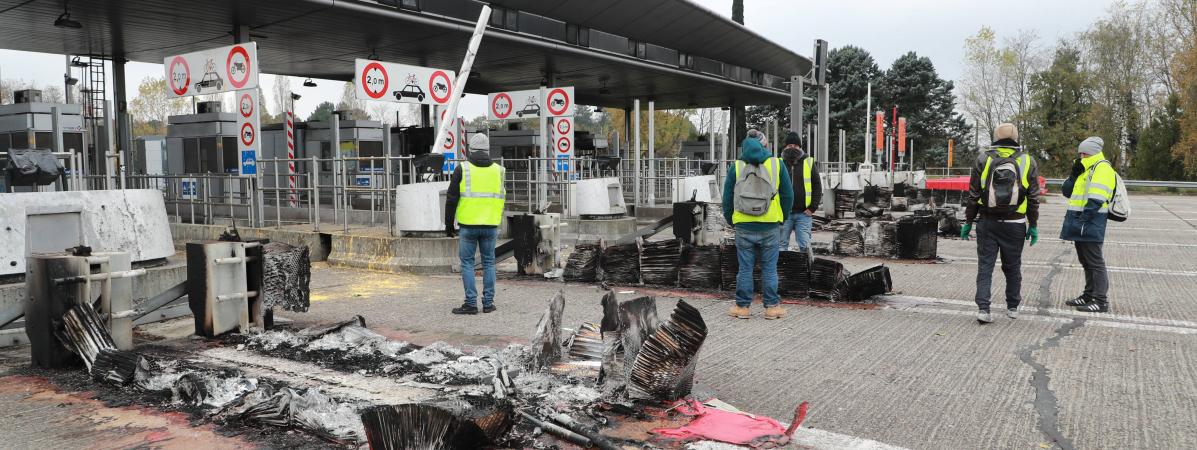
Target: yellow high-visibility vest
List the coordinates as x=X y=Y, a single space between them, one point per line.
x=807 y=165
x=482 y=195
x=775 y=215
x=1095 y=183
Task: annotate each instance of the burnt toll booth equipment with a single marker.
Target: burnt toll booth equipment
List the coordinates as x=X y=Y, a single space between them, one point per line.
x=534 y=242
x=223 y=284
x=691 y=220
x=917 y=237
x=411 y=141
x=55 y=283
x=30 y=168
x=30 y=125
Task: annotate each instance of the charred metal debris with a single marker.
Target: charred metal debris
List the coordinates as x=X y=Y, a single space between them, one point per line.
x=567 y=384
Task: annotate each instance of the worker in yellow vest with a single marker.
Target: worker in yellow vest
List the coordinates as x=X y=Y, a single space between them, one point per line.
x=475 y=201
x=757 y=197
x=1089 y=190
x=1004 y=192
x=808 y=193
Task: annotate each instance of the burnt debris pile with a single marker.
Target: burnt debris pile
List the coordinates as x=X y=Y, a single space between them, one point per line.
x=583 y=264
x=700 y=267
x=793 y=272
x=621 y=263
x=286 y=274
x=659 y=262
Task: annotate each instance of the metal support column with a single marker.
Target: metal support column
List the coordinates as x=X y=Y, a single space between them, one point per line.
x=711 y=131
x=636 y=152
x=124 y=135
x=824 y=129
x=796 y=104
x=542 y=187
x=652 y=154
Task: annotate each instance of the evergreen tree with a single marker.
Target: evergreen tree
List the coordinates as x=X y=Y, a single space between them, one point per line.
x=928 y=104
x=323 y=112
x=738 y=11
x=1153 y=155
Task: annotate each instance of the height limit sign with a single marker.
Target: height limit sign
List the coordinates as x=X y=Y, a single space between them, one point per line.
x=248 y=127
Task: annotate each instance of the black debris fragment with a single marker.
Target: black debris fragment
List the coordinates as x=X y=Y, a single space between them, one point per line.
x=917 y=237
x=546 y=343
x=664 y=366
x=828 y=280
x=700 y=267
x=659 y=262
x=583 y=264
x=621 y=263
x=419 y=426
x=867 y=283
x=286 y=276
x=793 y=273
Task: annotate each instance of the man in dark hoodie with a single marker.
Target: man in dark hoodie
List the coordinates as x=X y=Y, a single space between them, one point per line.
x=808 y=193
x=757 y=236
x=475 y=201
x=1004 y=191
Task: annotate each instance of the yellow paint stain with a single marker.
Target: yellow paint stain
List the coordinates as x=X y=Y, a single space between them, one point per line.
x=360 y=284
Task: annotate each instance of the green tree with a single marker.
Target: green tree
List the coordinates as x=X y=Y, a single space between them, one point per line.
x=1058 y=112
x=738 y=11
x=1153 y=156
x=926 y=101
x=323 y=112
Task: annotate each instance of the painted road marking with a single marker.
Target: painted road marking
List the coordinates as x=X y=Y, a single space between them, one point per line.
x=1122 y=321
x=1115 y=269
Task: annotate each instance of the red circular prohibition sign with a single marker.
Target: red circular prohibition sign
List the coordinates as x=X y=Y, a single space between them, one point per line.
x=386 y=80
x=228 y=66
x=180 y=90
x=252 y=135
x=510 y=106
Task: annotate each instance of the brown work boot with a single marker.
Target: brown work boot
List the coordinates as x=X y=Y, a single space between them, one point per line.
x=739 y=312
x=775 y=312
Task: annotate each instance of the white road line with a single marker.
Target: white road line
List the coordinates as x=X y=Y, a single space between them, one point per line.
x=1129 y=243
x=1115 y=269
x=1122 y=321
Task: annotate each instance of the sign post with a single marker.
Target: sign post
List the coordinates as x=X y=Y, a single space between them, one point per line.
x=248 y=127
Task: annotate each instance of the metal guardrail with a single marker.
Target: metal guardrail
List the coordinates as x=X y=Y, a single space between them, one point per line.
x=1144 y=183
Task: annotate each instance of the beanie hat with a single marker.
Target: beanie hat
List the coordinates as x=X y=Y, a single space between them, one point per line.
x=479 y=142
x=1091 y=146
x=793 y=138
x=758 y=135
x=1005 y=131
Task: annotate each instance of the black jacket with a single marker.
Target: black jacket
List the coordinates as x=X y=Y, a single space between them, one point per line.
x=972 y=209
x=453 y=195
x=793 y=158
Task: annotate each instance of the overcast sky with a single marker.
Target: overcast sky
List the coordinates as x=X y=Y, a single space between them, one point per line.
x=887 y=29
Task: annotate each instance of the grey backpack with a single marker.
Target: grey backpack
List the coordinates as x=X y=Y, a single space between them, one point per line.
x=754 y=189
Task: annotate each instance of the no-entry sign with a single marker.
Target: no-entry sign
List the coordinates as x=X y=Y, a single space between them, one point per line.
x=212 y=71
x=400 y=83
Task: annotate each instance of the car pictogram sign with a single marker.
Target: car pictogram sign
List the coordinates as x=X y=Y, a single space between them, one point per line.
x=401 y=83
x=217 y=70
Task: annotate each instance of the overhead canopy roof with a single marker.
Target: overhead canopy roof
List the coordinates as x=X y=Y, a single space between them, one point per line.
x=321 y=38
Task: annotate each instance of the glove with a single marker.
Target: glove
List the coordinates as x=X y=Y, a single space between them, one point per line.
x=1077 y=167
x=1033 y=235
x=964 y=230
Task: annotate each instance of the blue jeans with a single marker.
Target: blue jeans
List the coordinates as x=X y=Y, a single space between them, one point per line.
x=799 y=225
x=751 y=246
x=475 y=239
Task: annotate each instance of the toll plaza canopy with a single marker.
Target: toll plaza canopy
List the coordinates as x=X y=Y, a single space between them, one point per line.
x=672 y=51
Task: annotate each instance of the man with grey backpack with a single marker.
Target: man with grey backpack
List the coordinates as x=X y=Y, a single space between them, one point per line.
x=1095 y=194
x=757 y=196
x=1004 y=192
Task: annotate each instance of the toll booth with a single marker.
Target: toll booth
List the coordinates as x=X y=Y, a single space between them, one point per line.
x=29 y=123
x=358 y=138
x=204 y=144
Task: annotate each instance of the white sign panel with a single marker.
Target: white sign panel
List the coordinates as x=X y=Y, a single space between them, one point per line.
x=248 y=127
x=212 y=71
x=514 y=105
x=527 y=104
x=563 y=141
x=390 y=82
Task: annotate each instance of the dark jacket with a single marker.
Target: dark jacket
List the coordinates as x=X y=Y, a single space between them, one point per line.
x=453 y=195
x=753 y=153
x=793 y=158
x=972 y=209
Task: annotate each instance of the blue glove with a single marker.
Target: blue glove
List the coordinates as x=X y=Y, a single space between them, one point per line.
x=965 y=230
x=1033 y=235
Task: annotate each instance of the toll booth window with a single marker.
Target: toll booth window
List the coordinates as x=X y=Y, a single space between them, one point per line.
x=370 y=149
x=209 y=155
x=5 y=143
x=43 y=140
x=326 y=155
x=19 y=140
x=72 y=142
x=191 y=156
x=232 y=163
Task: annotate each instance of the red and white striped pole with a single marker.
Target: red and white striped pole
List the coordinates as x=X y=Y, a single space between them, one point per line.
x=291 y=157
